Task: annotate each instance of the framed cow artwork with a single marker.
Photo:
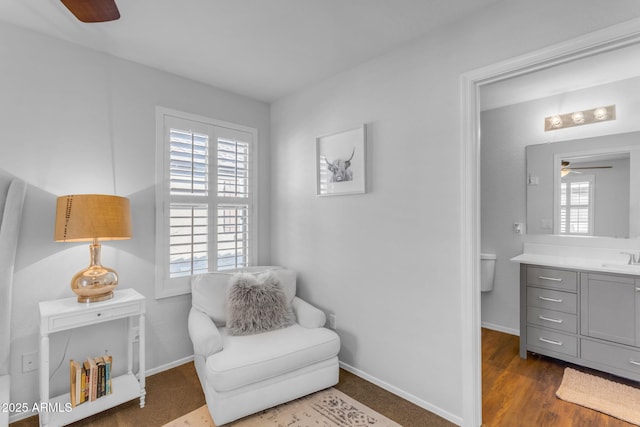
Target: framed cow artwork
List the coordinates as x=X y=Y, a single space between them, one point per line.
x=341 y=162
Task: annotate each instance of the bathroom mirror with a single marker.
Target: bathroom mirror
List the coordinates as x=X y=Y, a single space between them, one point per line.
x=585 y=187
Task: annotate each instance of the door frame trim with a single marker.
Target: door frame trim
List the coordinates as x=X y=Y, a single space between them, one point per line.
x=614 y=37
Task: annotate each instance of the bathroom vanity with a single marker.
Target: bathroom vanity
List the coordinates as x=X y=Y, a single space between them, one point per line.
x=583 y=311
x=579 y=297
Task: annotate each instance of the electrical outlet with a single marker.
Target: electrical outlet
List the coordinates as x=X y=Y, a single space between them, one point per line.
x=29 y=362
x=331 y=321
x=136 y=334
x=518 y=228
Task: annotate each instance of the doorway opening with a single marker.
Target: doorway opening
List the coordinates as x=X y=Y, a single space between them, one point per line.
x=609 y=39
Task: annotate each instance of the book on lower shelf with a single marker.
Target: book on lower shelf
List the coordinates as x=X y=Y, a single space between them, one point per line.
x=90 y=379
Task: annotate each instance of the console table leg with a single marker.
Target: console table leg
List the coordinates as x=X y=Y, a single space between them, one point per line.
x=130 y=345
x=142 y=373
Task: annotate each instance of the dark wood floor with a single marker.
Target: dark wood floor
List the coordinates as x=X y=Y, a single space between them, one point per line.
x=177 y=391
x=517 y=392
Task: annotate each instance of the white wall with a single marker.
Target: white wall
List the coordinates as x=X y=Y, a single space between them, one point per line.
x=387 y=263
x=78 y=121
x=505 y=134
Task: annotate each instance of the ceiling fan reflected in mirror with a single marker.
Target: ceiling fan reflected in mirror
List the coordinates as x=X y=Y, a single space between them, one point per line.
x=93 y=10
x=566 y=168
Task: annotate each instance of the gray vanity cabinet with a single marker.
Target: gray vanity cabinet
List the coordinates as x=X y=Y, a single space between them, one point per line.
x=587 y=318
x=610 y=308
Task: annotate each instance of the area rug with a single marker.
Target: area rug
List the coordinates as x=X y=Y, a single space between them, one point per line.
x=609 y=397
x=327 y=408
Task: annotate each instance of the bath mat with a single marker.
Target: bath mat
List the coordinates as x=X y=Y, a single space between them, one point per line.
x=609 y=397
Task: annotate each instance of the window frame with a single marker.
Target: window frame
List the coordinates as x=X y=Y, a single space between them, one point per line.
x=166 y=286
x=568 y=180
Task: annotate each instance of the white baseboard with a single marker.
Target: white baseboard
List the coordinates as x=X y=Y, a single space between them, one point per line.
x=21 y=416
x=390 y=388
x=168 y=366
x=501 y=328
x=407 y=396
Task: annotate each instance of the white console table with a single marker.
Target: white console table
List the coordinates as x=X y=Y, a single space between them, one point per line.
x=64 y=314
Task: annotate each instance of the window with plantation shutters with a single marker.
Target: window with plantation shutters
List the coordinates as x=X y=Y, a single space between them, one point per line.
x=206 y=214
x=576 y=205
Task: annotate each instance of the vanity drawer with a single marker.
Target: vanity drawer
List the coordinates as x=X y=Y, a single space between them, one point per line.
x=553 y=278
x=552 y=300
x=553 y=341
x=552 y=319
x=611 y=355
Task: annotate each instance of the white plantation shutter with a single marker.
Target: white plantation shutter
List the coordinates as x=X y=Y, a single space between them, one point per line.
x=576 y=205
x=234 y=240
x=206 y=219
x=234 y=223
x=188 y=162
x=233 y=168
x=188 y=239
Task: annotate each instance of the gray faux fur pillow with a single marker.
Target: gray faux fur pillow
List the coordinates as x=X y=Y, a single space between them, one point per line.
x=256 y=304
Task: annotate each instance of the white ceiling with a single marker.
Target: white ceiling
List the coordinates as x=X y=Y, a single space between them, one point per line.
x=264 y=49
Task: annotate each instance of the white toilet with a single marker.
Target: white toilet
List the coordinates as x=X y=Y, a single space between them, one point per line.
x=487 y=271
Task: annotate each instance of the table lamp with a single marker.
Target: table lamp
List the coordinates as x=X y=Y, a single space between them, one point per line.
x=91 y=218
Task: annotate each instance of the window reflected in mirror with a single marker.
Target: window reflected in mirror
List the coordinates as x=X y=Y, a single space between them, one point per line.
x=585 y=187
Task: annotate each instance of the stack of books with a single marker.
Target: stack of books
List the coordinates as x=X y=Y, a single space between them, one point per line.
x=90 y=379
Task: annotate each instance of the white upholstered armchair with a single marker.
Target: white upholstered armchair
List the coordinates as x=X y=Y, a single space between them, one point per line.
x=245 y=373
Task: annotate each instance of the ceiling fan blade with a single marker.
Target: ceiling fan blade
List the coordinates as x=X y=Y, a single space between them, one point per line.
x=93 y=10
x=589 y=167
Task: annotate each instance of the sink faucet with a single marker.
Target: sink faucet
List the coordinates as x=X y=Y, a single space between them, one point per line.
x=633 y=258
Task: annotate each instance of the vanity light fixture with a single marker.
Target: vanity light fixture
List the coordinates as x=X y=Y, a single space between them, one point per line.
x=578 y=118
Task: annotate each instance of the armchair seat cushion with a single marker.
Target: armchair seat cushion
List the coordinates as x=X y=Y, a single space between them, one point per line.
x=251 y=359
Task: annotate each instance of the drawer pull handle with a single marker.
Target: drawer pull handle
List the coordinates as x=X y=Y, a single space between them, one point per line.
x=633 y=362
x=553 y=279
x=637 y=289
x=99 y=314
x=549 y=319
x=550 y=341
x=550 y=299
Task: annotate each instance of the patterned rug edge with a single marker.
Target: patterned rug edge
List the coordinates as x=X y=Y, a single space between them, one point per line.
x=326 y=408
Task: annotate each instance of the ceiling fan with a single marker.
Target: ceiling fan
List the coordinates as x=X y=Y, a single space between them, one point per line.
x=93 y=10
x=567 y=169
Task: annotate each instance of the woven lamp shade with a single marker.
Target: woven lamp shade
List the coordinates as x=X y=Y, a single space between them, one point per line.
x=93 y=217
x=84 y=217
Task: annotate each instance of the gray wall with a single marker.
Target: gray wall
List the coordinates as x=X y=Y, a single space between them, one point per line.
x=387 y=263
x=77 y=121
x=505 y=134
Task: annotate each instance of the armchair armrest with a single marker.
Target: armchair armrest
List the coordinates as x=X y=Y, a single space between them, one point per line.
x=308 y=315
x=204 y=334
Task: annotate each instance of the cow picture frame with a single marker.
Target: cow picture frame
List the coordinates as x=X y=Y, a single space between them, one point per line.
x=341 y=162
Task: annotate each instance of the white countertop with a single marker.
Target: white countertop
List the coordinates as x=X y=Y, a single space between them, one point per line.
x=605 y=264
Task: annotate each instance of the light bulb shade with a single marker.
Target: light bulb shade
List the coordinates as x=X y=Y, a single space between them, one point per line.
x=85 y=217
